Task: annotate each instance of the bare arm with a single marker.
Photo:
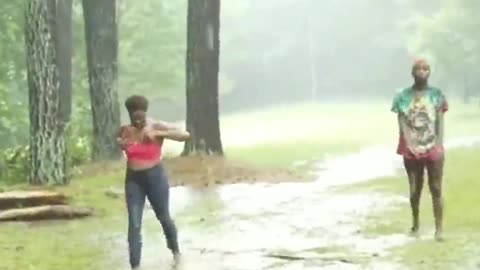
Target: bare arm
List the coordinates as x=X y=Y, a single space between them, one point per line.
x=162 y=125
x=400 y=124
x=440 y=122
x=439 y=128
x=168 y=131
x=122 y=142
x=172 y=134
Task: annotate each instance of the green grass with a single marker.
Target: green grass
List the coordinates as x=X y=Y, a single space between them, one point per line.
x=58 y=245
x=462 y=218
x=290 y=133
x=305 y=132
x=284 y=155
x=308 y=132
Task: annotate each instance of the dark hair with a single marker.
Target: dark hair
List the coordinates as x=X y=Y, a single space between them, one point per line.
x=136 y=103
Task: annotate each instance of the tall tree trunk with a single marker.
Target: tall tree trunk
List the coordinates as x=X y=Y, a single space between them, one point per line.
x=63 y=41
x=203 y=50
x=102 y=52
x=47 y=130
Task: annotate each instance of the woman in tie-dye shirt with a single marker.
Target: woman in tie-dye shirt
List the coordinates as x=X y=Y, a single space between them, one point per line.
x=420 y=109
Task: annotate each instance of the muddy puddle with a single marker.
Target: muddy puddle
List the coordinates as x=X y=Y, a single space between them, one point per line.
x=284 y=226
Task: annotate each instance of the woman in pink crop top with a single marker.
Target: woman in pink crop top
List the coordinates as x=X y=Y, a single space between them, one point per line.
x=142 y=142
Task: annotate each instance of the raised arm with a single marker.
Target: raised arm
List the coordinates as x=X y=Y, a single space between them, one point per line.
x=439 y=128
x=161 y=129
x=162 y=125
x=121 y=140
x=400 y=124
x=172 y=134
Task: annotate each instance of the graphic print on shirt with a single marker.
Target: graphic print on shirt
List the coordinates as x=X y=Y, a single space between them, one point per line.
x=421 y=124
x=419 y=111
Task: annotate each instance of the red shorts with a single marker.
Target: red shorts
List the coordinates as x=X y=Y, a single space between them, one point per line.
x=433 y=154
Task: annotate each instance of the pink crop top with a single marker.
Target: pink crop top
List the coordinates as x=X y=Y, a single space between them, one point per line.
x=145 y=151
x=141 y=151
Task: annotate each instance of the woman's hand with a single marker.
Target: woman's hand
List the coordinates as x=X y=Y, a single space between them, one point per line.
x=411 y=151
x=122 y=142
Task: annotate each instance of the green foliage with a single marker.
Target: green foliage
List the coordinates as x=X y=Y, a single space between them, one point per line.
x=15 y=161
x=451 y=39
x=79 y=134
x=152 y=48
x=13 y=116
x=15 y=158
x=79 y=150
x=13 y=120
x=151 y=52
x=15 y=164
x=151 y=56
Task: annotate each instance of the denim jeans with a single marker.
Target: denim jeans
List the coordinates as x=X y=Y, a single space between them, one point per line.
x=152 y=184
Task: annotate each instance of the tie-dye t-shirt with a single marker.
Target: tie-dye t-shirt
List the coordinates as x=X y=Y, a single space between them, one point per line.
x=420 y=114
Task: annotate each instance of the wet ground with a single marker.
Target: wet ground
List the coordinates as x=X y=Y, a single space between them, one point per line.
x=280 y=226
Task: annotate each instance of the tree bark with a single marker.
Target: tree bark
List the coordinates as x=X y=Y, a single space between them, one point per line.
x=101 y=36
x=47 y=129
x=202 y=66
x=19 y=199
x=45 y=212
x=63 y=42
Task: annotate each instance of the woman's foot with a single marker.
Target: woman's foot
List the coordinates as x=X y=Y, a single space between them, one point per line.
x=414 y=232
x=439 y=236
x=176 y=257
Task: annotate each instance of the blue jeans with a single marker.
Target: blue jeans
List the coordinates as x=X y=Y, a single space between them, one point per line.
x=152 y=184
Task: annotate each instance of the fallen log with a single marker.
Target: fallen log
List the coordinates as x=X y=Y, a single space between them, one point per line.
x=45 y=212
x=19 y=199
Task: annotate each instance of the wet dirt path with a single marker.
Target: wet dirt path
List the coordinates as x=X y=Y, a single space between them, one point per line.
x=279 y=226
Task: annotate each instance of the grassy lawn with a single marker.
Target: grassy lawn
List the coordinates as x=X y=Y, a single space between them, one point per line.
x=462 y=217
x=274 y=138
x=305 y=132
x=59 y=245
x=279 y=136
